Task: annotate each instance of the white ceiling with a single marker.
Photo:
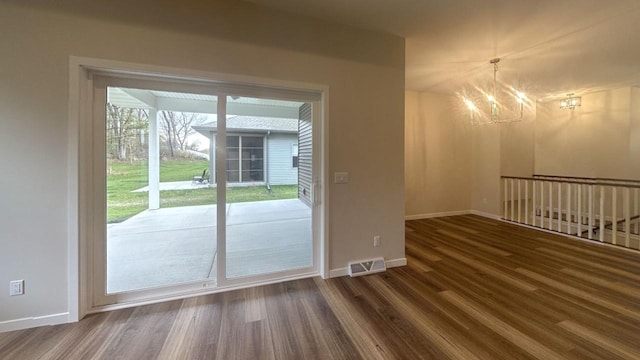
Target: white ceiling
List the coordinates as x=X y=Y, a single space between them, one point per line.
x=548 y=47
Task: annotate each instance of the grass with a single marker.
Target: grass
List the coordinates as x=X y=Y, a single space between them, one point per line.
x=124 y=177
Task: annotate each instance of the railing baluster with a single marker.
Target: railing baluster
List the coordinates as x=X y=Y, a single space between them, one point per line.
x=590 y=222
x=559 y=207
x=579 y=196
x=550 y=205
x=585 y=203
x=542 y=204
x=534 y=199
x=513 y=200
x=526 y=202
x=614 y=215
x=627 y=216
x=602 y=217
x=635 y=211
x=519 y=202
x=504 y=201
x=569 y=190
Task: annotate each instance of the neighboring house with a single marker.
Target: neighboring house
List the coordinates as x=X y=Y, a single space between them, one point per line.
x=260 y=150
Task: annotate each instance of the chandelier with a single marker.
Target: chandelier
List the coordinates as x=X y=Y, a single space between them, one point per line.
x=570 y=102
x=496 y=104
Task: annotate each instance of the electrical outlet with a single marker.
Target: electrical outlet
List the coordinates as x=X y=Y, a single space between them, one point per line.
x=16 y=287
x=376 y=240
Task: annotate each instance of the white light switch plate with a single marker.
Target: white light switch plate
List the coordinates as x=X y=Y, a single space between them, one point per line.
x=16 y=287
x=341 y=178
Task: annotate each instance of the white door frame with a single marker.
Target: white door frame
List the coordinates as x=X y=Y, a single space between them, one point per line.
x=82 y=207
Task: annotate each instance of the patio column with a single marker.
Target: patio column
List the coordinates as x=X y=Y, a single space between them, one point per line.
x=154 y=160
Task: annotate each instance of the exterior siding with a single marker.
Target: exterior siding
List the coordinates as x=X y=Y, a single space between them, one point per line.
x=304 y=154
x=280 y=164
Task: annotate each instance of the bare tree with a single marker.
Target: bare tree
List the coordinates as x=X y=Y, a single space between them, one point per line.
x=123 y=127
x=168 y=127
x=177 y=128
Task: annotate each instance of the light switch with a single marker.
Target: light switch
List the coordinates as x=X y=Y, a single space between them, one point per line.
x=341 y=178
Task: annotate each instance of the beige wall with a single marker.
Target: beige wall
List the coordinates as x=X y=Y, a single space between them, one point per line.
x=597 y=139
x=364 y=72
x=517 y=144
x=437 y=155
x=452 y=166
x=485 y=150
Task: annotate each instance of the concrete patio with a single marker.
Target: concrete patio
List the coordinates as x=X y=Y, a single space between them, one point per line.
x=177 y=245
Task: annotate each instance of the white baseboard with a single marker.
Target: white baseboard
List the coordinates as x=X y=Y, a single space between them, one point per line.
x=390 y=263
x=396 y=262
x=26 y=323
x=339 y=272
x=452 y=213
x=485 y=214
x=438 y=214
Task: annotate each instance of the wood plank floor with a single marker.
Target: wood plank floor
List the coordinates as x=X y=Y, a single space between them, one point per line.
x=474 y=288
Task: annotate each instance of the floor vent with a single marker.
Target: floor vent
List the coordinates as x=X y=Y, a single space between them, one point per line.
x=365 y=267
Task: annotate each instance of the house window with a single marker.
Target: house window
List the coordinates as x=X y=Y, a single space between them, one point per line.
x=294 y=155
x=245 y=158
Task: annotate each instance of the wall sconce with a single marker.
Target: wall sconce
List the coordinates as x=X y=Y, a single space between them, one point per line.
x=570 y=102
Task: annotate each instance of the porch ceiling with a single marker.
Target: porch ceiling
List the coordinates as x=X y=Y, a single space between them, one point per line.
x=197 y=103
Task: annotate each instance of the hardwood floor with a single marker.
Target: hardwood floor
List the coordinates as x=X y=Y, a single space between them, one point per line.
x=474 y=288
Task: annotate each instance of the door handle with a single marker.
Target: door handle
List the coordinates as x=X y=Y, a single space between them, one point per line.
x=315 y=193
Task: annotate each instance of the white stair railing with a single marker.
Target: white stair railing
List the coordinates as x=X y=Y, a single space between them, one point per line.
x=605 y=210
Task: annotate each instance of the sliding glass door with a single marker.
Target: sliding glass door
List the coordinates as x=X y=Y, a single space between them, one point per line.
x=197 y=189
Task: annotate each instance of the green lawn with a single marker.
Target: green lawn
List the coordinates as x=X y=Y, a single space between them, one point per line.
x=124 y=177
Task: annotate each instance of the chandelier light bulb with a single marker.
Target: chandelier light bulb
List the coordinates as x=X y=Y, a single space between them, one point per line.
x=469 y=104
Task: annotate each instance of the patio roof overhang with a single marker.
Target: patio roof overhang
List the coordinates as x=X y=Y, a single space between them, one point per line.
x=208 y=131
x=251 y=124
x=197 y=103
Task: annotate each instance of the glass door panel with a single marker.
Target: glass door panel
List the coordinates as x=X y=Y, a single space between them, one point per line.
x=268 y=225
x=160 y=203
